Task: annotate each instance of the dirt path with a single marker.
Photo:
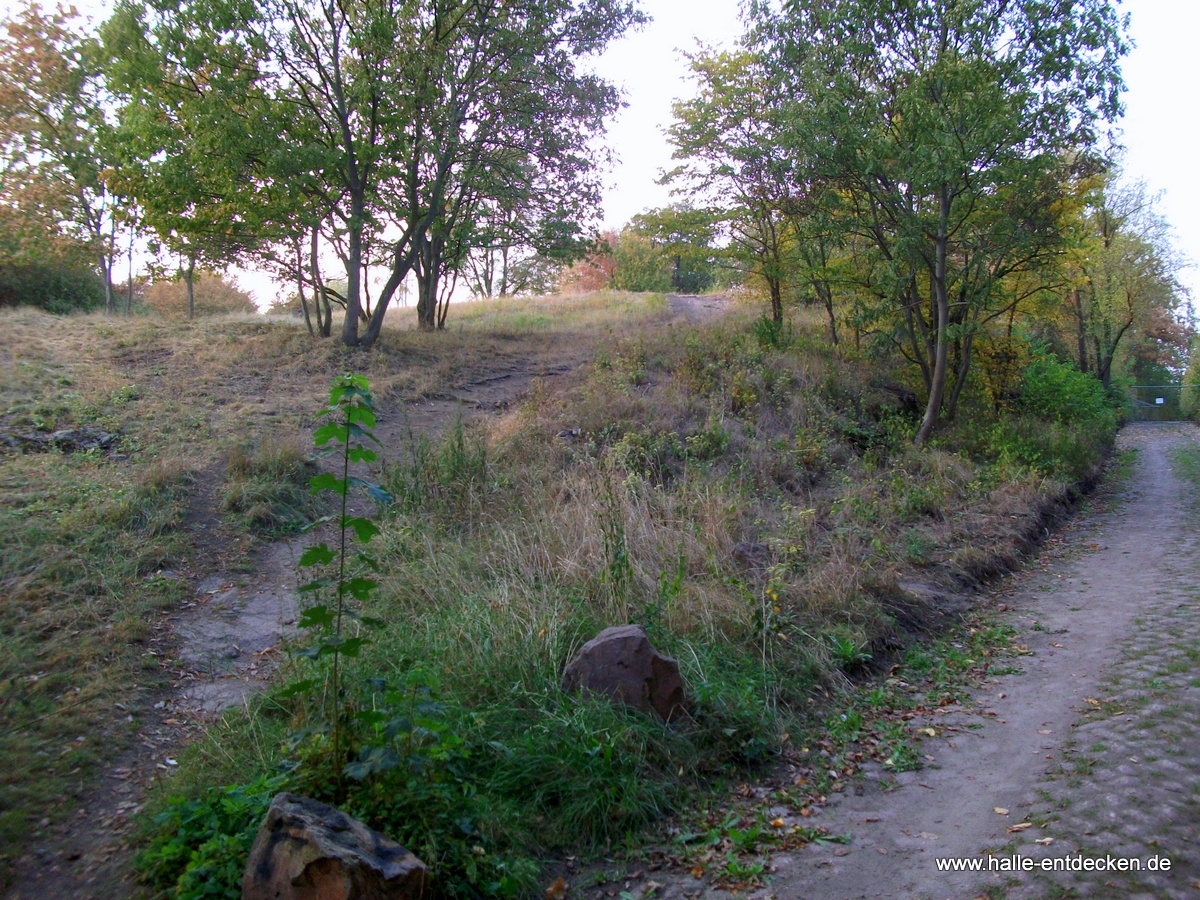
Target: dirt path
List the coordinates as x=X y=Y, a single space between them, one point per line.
x=1093 y=743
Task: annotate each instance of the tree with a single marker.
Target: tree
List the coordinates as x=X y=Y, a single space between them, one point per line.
x=687 y=236
x=1124 y=289
x=55 y=144
x=390 y=121
x=595 y=271
x=948 y=130
x=726 y=136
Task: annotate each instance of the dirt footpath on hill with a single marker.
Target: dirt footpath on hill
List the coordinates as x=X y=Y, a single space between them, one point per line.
x=1090 y=752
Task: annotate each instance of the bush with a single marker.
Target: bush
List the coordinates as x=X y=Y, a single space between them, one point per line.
x=1063 y=426
x=56 y=288
x=1189 y=401
x=214 y=295
x=201 y=845
x=1058 y=391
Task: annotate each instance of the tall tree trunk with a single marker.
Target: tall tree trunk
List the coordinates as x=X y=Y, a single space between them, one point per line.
x=320 y=295
x=129 y=284
x=941 y=300
x=826 y=295
x=429 y=270
x=300 y=286
x=110 y=299
x=189 y=278
x=1081 y=335
x=776 y=289
x=960 y=379
x=354 y=270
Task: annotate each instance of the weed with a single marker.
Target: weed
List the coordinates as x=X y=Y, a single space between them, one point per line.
x=351 y=414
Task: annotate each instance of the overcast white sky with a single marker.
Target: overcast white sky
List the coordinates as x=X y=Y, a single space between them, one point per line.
x=1160 y=127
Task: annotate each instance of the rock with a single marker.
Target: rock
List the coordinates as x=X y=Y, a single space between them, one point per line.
x=307 y=850
x=752 y=554
x=621 y=663
x=67 y=440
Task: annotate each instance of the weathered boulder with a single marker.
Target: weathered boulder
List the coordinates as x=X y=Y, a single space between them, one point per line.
x=67 y=440
x=307 y=850
x=621 y=663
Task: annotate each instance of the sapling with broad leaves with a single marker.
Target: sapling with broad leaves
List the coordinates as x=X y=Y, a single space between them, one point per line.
x=350 y=416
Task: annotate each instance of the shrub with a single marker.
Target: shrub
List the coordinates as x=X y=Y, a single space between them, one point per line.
x=214 y=295
x=200 y=846
x=56 y=288
x=1058 y=391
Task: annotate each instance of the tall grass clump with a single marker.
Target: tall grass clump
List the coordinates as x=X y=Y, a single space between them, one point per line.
x=267 y=489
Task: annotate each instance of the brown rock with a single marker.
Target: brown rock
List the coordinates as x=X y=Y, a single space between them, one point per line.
x=307 y=850
x=621 y=663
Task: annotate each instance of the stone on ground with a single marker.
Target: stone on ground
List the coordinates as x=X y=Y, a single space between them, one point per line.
x=306 y=850
x=621 y=663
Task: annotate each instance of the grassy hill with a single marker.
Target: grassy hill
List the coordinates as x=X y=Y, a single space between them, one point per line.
x=748 y=493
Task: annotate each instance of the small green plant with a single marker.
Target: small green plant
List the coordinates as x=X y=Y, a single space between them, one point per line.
x=351 y=415
x=200 y=846
x=847 y=651
x=742 y=871
x=770 y=333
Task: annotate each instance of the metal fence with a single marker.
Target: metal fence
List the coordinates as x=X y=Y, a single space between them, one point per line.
x=1163 y=402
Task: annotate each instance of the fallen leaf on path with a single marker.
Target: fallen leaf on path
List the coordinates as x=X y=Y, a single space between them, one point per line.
x=1045 y=842
x=1045 y=731
x=1000 y=810
x=778 y=823
x=932 y=732
x=1021 y=826
x=697 y=872
x=1059 y=646
x=928 y=835
x=1091 y=701
x=557 y=890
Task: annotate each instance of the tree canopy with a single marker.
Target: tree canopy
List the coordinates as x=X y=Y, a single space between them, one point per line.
x=391 y=127
x=948 y=131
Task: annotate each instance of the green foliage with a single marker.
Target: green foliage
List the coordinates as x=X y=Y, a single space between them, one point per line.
x=1063 y=426
x=1058 y=391
x=1189 y=400
x=57 y=287
x=351 y=415
x=639 y=265
x=199 y=846
x=960 y=126
x=365 y=118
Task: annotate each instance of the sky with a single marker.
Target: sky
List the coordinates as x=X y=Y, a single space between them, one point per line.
x=1159 y=130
